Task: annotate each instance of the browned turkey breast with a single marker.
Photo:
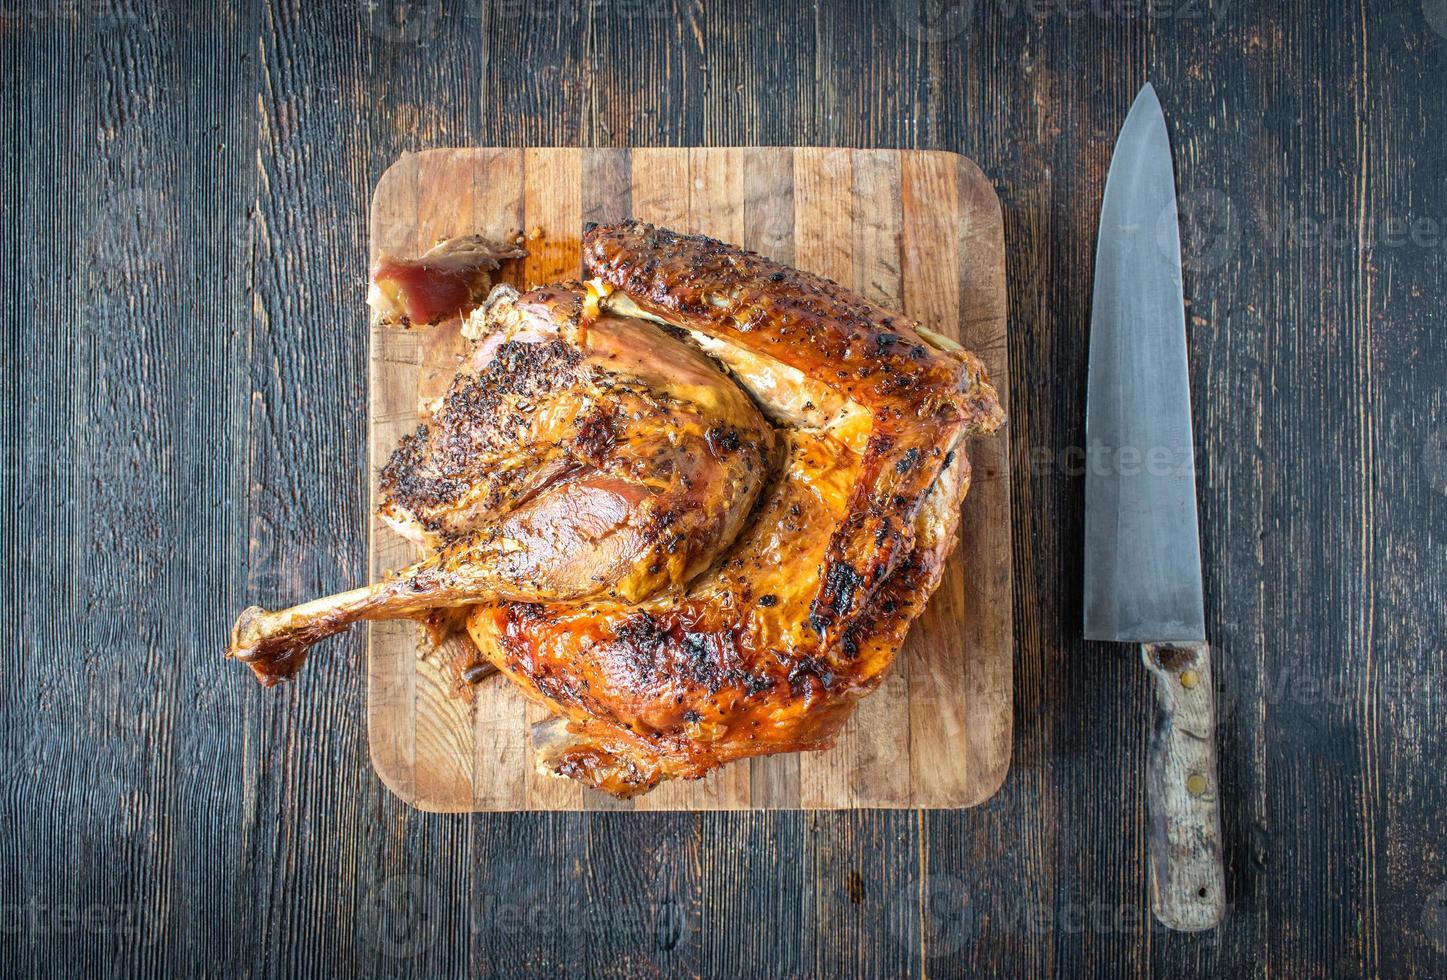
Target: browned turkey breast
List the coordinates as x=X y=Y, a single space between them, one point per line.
x=692 y=507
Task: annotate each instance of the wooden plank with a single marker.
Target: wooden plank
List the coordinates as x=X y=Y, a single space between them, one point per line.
x=500 y=758
x=607 y=196
x=553 y=217
x=661 y=195
x=935 y=655
x=913 y=231
x=880 y=765
x=986 y=622
x=768 y=228
x=442 y=725
x=393 y=370
x=715 y=199
x=823 y=244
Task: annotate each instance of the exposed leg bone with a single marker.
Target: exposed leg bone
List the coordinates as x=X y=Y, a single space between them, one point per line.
x=593 y=536
x=274 y=643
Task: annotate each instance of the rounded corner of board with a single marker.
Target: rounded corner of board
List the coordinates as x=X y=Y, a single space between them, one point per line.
x=403 y=168
x=971 y=175
x=389 y=778
x=992 y=781
x=993 y=777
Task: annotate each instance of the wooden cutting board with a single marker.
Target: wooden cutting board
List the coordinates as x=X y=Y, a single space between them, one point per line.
x=917 y=231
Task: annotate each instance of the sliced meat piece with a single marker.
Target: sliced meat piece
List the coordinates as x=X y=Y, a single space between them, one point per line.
x=446 y=281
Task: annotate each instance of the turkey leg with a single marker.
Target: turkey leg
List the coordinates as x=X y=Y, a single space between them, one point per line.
x=578 y=540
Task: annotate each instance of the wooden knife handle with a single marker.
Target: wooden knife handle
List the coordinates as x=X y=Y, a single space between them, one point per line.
x=1188 y=883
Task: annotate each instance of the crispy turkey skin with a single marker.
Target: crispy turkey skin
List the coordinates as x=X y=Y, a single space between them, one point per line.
x=691 y=507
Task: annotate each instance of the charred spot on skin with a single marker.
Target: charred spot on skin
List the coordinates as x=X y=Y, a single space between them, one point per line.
x=723 y=440
x=756 y=684
x=841 y=581
x=768 y=600
x=640 y=646
x=849 y=641
x=819 y=618
x=807 y=673
x=908 y=461
x=597 y=435
x=699 y=656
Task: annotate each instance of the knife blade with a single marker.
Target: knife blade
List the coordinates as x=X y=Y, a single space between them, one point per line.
x=1142 y=556
x=1142 y=579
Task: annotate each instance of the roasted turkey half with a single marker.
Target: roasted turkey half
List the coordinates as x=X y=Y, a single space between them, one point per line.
x=691 y=506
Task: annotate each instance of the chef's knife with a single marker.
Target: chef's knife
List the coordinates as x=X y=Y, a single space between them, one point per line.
x=1142 y=554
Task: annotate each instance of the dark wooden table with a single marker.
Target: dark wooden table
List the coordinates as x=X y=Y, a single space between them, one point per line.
x=183 y=260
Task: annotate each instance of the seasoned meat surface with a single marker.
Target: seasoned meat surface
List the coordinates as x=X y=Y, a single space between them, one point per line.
x=692 y=507
x=922 y=399
x=575 y=456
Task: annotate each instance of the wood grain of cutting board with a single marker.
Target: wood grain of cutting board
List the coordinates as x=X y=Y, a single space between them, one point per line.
x=917 y=231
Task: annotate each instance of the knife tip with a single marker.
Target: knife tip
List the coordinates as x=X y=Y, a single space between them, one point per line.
x=1145 y=112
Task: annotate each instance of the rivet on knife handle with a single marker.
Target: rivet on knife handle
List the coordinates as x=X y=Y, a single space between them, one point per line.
x=1188 y=887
